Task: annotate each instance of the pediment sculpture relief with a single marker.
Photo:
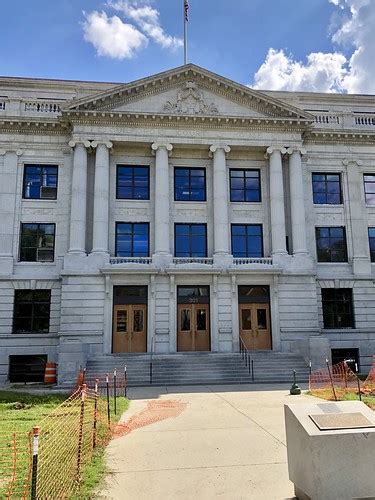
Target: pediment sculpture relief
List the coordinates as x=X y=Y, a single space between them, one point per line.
x=190 y=101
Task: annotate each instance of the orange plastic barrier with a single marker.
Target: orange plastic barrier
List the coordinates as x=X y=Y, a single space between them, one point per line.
x=50 y=373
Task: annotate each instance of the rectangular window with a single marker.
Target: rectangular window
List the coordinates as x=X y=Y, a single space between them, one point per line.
x=190 y=240
x=247 y=240
x=31 y=311
x=189 y=184
x=245 y=185
x=40 y=182
x=369 y=181
x=326 y=189
x=331 y=244
x=132 y=239
x=337 y=308
x=37 y=242
x=133 y=182
x=371 y=238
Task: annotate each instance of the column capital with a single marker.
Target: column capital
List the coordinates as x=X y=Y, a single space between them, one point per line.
x=96 y=143
x=274 y=149
x=18 y=152
x=293 y=149
x=158 y=145
x=352 y=161
x=216 y=147
x=73 y=143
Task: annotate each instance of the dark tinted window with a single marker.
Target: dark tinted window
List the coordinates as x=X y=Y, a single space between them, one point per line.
x=369 y=182
x=371 y=238
x=331 y=244
x=326 y=189
x=244 y=185
x=37 y=242
x=337 y=308
x=189 y=184
x=40 y=182
x=31 y=311
x=190 y=240
x=247 y=240
x=132 y=239
x=133 y=183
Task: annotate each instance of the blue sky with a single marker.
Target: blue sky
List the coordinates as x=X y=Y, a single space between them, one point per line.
x=46 y=38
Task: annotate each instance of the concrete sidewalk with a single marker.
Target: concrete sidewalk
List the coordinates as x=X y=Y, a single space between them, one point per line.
x=228 y=443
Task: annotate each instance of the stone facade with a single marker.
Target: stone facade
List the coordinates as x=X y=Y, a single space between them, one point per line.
x=186 y=117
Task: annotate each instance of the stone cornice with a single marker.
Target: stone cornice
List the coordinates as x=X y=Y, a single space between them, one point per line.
x=34 y=126
x=171 y=120
x=339 y=137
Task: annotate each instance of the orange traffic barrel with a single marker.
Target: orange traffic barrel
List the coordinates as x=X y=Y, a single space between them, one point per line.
x=50 y=373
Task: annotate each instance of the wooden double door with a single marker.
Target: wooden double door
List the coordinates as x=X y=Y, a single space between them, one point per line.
x=193 y=327
x=255 y=329
x=129 y=328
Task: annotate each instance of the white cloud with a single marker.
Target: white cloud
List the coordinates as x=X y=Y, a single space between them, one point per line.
x=329 y=72
x=147 y=19
x=321 y=73
x=112 y=37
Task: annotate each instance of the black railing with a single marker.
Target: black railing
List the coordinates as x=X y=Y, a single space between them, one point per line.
x=151 y=358
x=246 y=357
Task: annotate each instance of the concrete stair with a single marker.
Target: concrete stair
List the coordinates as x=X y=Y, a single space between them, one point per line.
x=202 y=368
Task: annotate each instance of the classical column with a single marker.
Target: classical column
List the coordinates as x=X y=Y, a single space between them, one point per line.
x=162 y=243
x=358 y=218
x=8 y=190
x=277 y=200
x=220 y=195
x=78 y=202
x=297 y=201
x=101 y=197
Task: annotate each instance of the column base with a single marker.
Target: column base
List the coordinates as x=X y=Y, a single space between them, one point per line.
x=162 y=260
x=223 y=260
x=85 y=263
x=6 y=264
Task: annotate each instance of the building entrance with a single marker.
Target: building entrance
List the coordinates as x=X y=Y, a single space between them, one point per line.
x=254 y=317
x=193 y=318
x=130 y=319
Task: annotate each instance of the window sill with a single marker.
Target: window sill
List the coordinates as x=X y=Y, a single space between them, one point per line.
x=327 y=331
x=190 y=202
x=22 y=263
x=28 y=335
x=35 y=201
x=132 y=200
x=328 y=205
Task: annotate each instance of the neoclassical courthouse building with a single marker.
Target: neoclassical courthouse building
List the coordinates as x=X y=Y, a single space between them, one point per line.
x=182 y=212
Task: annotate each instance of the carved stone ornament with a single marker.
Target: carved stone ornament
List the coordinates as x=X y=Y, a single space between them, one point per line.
x=190 y=101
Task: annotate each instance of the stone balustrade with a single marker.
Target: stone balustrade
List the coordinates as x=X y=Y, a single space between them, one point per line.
x=246 y=261
x=130 y=260
x=193 y=260
x=42 y=107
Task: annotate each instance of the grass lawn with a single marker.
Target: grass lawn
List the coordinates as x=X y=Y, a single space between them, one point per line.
x=19 y=412
x=344 y=396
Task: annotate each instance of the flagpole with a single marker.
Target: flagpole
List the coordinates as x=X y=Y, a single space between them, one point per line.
x=185 y=31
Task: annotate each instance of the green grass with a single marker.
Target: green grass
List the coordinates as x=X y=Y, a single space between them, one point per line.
x=344 y=396
x=19 y=412
x=93 y=474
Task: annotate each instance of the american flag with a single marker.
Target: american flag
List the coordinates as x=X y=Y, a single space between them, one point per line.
x=186 y=9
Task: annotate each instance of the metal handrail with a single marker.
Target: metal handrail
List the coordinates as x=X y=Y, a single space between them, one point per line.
x=151 y=356
x=245 y=354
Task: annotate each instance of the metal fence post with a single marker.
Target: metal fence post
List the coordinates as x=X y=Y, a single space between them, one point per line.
x=95 y=413
x=108 y=408
x=34 y=470
x=115 y=388
x=125 y=382
x=80 y=434
x=330 y=377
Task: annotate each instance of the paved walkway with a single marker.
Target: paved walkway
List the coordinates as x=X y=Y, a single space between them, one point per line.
x=228 y=443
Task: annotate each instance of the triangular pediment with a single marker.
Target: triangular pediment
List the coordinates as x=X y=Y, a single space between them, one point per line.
x=189 y=91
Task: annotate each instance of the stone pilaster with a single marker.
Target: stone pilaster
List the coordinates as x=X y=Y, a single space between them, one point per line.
x=77 y=240
x=297 y=201
x=162 y=250
x=358 y=218
x=277 y=201
x=101 y=197
x=8 y=190
x=220 y=204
